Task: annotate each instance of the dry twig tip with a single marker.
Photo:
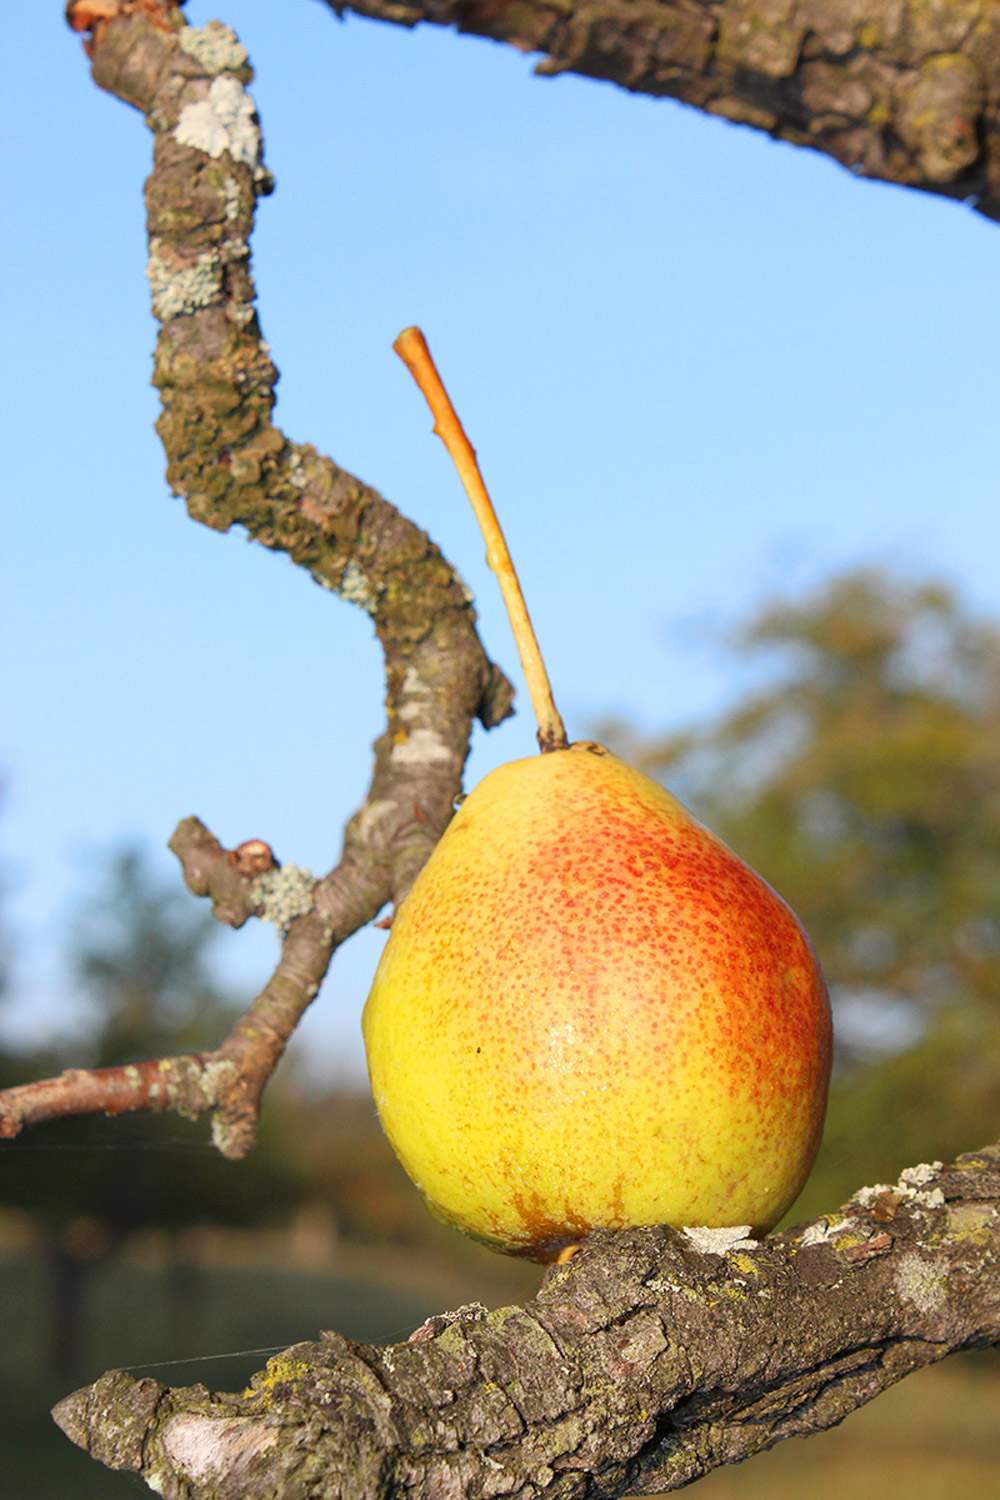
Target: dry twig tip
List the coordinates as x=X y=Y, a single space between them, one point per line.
x=411 y=346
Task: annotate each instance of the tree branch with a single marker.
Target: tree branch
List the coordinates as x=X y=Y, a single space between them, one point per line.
x=906 y=93
x=230 y=1080
x=651 y=1358
x=235 y=467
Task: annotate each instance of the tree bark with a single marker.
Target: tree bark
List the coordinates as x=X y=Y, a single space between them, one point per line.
x=650 y=1358
x=907 y=91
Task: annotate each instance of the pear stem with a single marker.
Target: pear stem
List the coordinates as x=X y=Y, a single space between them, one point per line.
x=411 y=346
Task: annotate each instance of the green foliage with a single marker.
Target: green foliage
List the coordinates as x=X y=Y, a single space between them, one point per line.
x=863 y=781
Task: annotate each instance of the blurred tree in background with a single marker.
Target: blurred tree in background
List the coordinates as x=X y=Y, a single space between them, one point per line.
x=140 y=952
x=9 y=1073
x=863 y=781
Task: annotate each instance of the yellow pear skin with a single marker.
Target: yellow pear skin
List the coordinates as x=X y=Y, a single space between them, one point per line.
x=591 y=1014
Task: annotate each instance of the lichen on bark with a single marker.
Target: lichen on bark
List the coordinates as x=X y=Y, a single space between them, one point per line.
x=641 y=1365
x=234 y=467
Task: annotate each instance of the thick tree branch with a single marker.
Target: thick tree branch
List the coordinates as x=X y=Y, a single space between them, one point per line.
x=651 y=1358
x=234 y=466
x=893 y=89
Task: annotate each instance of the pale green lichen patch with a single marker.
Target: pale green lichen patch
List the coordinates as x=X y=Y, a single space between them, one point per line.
x=215 y=46
x=284 y=894
x=179 y=290
x=972 y=1221
x=355 y=588
x=825 y=1230
x=920 y=1282
x=453 y=1335
x=526 y=1329
x=664 y=1287
x=422 y=747
x=297 y=475
x=866 y=1196
x=239 y=312
x=887 y=1199
x=499 y=1316
x=224 y=121
x=718 y=1241
x=232 y=199
x=212 y=1082
x=918 y=1177
x=223 y=1136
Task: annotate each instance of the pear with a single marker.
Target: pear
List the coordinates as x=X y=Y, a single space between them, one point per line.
x=590 y=1013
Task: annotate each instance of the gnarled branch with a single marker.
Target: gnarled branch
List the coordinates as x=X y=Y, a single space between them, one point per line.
x=235 y=467
x=899 y=91
x=651 y=1358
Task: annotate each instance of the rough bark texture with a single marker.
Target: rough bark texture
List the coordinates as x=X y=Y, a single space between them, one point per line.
x=904 y=90
x=651 y=1358
x=235 y=467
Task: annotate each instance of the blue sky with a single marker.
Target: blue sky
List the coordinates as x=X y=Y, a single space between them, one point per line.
x=698 y=367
